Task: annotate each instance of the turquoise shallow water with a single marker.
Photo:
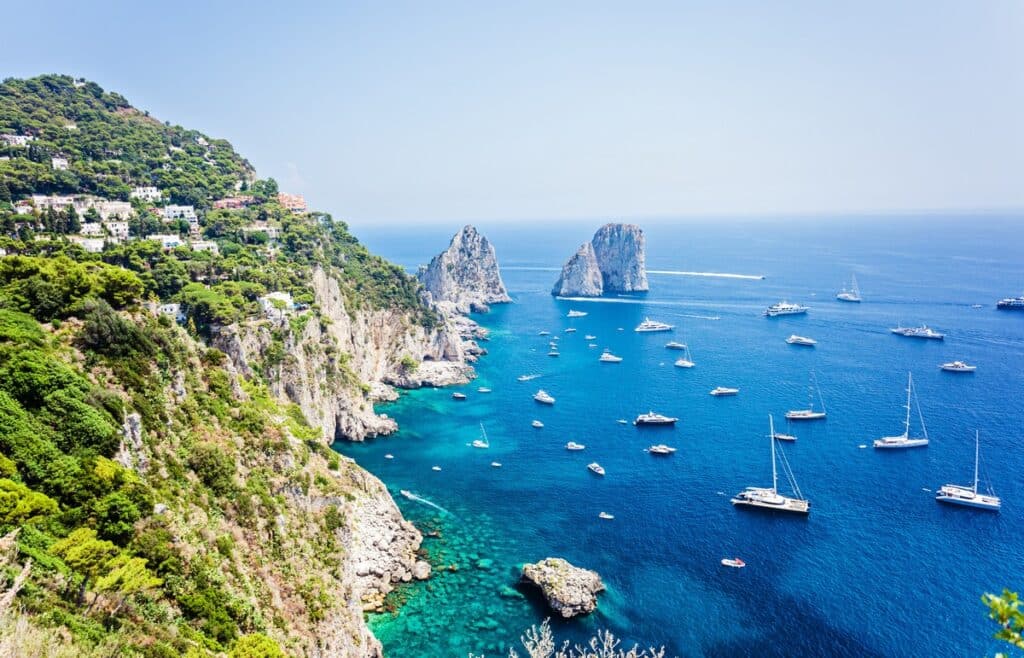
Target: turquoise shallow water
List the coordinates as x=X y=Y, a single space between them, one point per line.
x=879 y=568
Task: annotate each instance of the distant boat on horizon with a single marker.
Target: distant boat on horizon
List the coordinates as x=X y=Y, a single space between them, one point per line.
x=785 y=308
x=924 y=331
x=650 y=326
x=1011 y=304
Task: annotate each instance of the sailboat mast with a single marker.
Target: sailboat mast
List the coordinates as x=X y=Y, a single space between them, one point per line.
x=975 y=462
x=775 y=475
x=906 y=423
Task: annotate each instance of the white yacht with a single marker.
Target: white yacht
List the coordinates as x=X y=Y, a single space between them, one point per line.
x=543 y=397
x=483 y=389
x=779 y=436
x=570 y=330
x=572 y=445
x=496 y=464
x=852 y=294
x=537 y=424
x=904 y=440
x=969 y=496
x=590 y=337
x=606 y=516
x=649 y=325
x=958 y=366
x=719 y=391
x=594 y=467
x=458 y=396
x=608 y=357
x=576 y=314
x=651 y=418
x=733 y=562
x=675 y=345
x=553 y=353
x=771 y=499
x=924 y=331
x=482 y=442
x=661 y=449
x=785 y=308
x=1011 y=304
x=801 y=340
x=592 y=345
x=809 y=413
x=543 y=333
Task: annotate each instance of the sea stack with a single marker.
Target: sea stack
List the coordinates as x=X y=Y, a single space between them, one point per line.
x=465 y=275
x=615 y=260
x=569 y=590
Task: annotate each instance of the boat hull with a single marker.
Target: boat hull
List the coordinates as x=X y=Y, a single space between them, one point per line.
x=803 y=415
x=788 y=506
x=882 y=444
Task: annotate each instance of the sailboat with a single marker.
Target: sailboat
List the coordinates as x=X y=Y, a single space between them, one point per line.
x=851 y=295
x=771 y=499
x=481 y=442
x=904 y=440
x=809 y=413
x=685 y=361
x=969 y=496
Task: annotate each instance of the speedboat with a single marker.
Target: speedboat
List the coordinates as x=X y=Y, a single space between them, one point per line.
x=904 y=440
x=458 y=396
x=723 y=390
x=733 y=562
x=649 y=325
x=606 y=516
x=590 y=337
x=594 y=467
x=389 y=456
x=673 y=345
x=622 y=421
x=537 y=424
x=553 y=353
x=570 y=330
x=435 y=468
x=526 y=378
x=651 y=418
x=1011 y=304
x=592 y=345
x=496 y=464
x=543 y=397
x=576 y=314
x=543 y=333
x=572 y=445
x=801 y=340
x=483 y=389
x=661 y=449
x=608 y=357
x=785 y=308
x=958 y=366
x=924 y=331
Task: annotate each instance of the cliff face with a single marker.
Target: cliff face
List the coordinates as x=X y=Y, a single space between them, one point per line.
x=581 y=276
x=614 y=260
x=465 y=274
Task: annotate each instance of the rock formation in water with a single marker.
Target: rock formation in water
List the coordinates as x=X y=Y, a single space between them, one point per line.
x=569 y=590
x=465 y=274
x=614 y=260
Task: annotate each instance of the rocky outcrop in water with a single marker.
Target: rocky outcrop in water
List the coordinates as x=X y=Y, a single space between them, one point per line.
x=465 y=275
x=615 y=260
x=569 y=590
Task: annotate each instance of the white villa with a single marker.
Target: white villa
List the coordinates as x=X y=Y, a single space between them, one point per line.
x=204 y=245
x=17 y=140
x=92 y=245
x=92 y=229
x=277 y=305
x=173 y=212
x=147 y=193
x=108 y=209
x=117 y=229
x=172 y=310
x=60 y=164
x=166 y=240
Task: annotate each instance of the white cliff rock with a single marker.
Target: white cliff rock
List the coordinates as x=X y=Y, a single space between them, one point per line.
x=569 y=590
x=465 y=274
x=614 y=260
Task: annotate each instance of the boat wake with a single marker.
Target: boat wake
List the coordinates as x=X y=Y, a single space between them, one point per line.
x=419 y=499
x=716 y=275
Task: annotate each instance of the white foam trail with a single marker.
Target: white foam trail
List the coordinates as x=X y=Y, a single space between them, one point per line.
x=718 y=275
x=411 y=496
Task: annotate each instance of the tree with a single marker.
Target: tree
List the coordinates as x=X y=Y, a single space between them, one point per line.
x=127 y=575
x=85 y=555
x=1005 y=609
x=5 y=192
x=20 y=505
x=256 y=645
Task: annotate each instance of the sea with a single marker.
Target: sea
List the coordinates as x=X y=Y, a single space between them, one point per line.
x=878 y=567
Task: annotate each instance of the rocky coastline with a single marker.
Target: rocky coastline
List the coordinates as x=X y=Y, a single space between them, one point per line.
x=465 y=277
x=615 y=260
x=569 y=590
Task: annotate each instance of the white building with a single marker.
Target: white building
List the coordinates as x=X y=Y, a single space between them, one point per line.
x=166 y=240
x=148 y=193
x=110 y=209
x=172 y=212
x=23 y=208
x=17 y=140
x=92 y=245
x=172 y=310
x=117 y=229
x=60 y=164
x=277 y=305
x=272 y=232
x=53 y=201
x=205 y=245
x=92 y=229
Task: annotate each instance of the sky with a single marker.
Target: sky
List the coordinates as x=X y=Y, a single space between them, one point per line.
x=393 y=112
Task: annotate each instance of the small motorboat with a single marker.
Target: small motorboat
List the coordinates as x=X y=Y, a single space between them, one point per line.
x=723 y=390
x=483 y=389
x=661 y=449
x=958 y=366
x=779 y=436
x=570 y=330
x=543 y=333
x=594 y=467
x=608 y=357
x=553 y=353
x=537 y=424
x=389 y=456
x=592 y=345
x=606 y=516
x=526 y=378
x=458 y=396
x=801 y=340
x=496 y=464
x=622 y=421
x=543 y=397
x=572 y=445
x=733 y=562
x=435 y=468
x=590 y=337
x=576 y=314
x=674 y=345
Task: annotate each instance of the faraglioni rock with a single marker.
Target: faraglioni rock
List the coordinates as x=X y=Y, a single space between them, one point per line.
x=569 y=590
x=465 y=274
x=615 y=260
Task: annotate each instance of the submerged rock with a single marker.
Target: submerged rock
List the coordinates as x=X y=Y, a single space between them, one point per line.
x=569 y=590
x=615 y=260
x=465 y=274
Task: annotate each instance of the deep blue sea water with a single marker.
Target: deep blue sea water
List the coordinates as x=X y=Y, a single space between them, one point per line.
x=878 y=568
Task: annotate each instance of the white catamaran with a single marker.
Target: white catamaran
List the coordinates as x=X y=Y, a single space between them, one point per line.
x=904 y=440
x=771 y=499
x=852 y=294
x=968 y=496
x=809 y=413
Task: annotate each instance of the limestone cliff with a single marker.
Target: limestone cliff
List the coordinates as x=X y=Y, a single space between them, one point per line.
x=466 y=274
x=614 y=260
